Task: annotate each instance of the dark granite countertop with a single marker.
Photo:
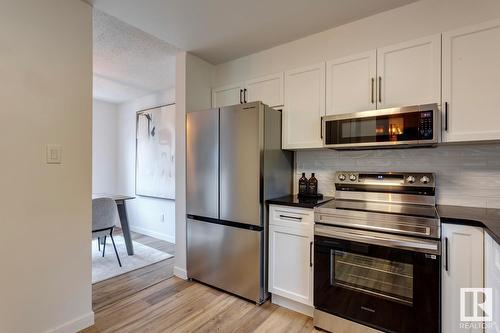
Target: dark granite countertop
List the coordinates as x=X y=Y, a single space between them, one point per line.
x=295 y=201
x=488 y=218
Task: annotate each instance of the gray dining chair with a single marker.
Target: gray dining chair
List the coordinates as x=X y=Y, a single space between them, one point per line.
x=104 y=215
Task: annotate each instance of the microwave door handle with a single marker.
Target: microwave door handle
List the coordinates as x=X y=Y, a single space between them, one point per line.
x=321 y=127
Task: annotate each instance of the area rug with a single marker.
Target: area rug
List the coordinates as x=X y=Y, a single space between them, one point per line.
x=107 y=267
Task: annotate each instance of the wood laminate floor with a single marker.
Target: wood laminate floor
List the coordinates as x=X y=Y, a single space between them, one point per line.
x=125 y=285
x=176 y=305
x=148 y=300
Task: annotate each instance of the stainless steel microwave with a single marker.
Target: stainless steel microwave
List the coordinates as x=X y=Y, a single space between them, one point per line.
x=416 y=125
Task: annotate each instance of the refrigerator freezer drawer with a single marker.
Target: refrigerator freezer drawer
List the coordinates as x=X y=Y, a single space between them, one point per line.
x=225 y=257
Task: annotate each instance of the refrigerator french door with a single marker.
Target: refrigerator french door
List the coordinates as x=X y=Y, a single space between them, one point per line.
x=234 y=162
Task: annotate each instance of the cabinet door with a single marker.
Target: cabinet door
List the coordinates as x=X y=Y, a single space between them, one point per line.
x=492 y=279
x=350 y=83
x=462 y=268
x=409 y=73
x=268 y=89
x=304 y=107
x=290 y=264
x=471 y=72
x=227 y=95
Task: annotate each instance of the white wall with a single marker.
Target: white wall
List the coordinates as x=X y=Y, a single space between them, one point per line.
x=144 y=213
x=104 y=137
x=45 y=213
x=193 y=93
x=457 y=166
x=418 y=19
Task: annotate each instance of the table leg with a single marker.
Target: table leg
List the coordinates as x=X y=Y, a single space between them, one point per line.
x=122 y=213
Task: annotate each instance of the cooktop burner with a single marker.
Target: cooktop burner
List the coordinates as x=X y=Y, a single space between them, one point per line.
x=391 y=202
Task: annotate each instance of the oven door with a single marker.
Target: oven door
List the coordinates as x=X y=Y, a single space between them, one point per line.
x=386 y=283
x=412 y=125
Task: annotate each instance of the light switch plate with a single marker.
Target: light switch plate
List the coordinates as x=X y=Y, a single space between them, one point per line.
x=54 y=154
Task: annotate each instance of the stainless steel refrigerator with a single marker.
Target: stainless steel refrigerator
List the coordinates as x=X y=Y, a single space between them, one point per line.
x=234 y=164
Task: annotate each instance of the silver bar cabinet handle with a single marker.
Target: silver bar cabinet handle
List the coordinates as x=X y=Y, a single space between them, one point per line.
x=310 y=254
x=373 y=90
x=446 y=116
x=446 y=263
x=291 y=217
x=380 y=89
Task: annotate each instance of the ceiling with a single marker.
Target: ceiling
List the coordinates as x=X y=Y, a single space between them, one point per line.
x=129 y=63
x=222 y=30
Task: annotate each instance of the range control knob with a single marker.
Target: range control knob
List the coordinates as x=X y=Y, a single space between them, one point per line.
x=352 y=177
x=341 y=177
x=410 y=179
x=425 y=180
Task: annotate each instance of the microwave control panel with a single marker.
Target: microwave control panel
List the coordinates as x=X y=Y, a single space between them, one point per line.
x=426 y=125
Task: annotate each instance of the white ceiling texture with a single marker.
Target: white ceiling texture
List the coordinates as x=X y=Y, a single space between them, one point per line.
x=129 y=63
x=136 y=58
x=222 y=30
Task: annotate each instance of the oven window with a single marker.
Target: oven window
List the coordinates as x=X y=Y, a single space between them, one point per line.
x=379 y=277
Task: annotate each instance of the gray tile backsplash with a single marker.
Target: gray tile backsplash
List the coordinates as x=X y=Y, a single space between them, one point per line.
x=467 y=175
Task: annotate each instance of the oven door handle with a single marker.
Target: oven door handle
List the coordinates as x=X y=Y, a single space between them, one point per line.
x=392 y=241
x=332 y=266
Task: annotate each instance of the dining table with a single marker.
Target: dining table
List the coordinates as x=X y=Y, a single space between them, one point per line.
x=120 y=200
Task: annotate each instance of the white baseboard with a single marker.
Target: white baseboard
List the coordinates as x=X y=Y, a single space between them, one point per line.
x=75 y=325
x=151 y=233
x=292 y=305
x=180 y=273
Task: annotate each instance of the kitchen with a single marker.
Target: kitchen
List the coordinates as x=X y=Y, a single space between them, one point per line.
x=337 y=165
x=400 y=217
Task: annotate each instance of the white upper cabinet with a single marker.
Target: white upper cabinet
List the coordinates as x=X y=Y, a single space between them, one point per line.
x=471 y=83
x=350 y=83
x=304 y=107
x=463 y=253
x=268 y=89
x=409 y=73
x=227 y=95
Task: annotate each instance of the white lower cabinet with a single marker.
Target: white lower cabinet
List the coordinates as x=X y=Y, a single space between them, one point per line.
x=463 y=253
x=492 y=280
x=291 y=257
